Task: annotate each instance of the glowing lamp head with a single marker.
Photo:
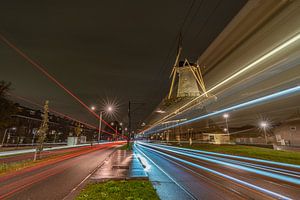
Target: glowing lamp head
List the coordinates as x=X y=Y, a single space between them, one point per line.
x=109 y=109
x=226 y=115
x=93 y=107
x=264 y=124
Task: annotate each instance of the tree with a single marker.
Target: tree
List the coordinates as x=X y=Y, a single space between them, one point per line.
x=77 y=131
x=7 y=107
x=42 y=131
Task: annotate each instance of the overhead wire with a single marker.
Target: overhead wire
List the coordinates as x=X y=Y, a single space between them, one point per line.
x=57 y=112
x=173 y=46
x=207 y=20
x=52 y=78
x=191 y=21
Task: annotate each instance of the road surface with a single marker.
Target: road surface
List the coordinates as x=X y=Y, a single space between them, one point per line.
x=47 y=152
x=205 y=175
x=55 y=178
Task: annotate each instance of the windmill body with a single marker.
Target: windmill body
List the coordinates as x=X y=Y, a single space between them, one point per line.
x=188 y=79
x=187 y=83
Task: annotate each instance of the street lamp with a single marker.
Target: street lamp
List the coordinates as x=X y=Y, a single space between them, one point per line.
x=109 y=109
x=226 y=116
x=7 y=131
x=4 y=137
x=264 y=125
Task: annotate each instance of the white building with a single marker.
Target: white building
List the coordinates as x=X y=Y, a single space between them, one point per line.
x=288 y=133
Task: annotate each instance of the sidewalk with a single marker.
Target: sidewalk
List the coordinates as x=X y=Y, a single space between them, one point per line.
x=122 y=165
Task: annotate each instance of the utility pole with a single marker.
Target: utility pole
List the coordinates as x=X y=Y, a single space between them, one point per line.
x=116 y=131
x=129 y=123
x=100 y=124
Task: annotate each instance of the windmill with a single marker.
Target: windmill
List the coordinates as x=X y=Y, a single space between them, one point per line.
x=190 y=79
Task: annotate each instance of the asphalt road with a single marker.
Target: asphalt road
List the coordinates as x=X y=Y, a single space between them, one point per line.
x=55 y=178
x=44 y=154
x=202 y=175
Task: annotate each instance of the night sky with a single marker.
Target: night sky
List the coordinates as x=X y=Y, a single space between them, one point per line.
x=121 y=50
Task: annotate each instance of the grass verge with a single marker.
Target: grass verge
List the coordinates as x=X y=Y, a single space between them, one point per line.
x=126 y=147
x=9 y=167
x=250 y=151
x=19 y=165
x=119 y=190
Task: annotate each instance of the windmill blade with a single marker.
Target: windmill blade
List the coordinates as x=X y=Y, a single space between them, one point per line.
x=202 y=80
x=200 y=75
x=172 y=83
x=172 y=72
x=178 y=56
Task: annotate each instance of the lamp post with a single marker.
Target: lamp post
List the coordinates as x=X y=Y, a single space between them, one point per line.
x=121 y=129
x=116 y=131
x=109 y=109
x=226 y=116
x=264 y=125
x=100 y=126
x=4 y=137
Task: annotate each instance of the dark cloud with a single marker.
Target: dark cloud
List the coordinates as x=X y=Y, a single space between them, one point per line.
x=103 y=48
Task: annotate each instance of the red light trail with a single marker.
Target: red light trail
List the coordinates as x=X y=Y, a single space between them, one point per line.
x=57 y=166
x=52 y=110
x=61 y=114
x=50 y=77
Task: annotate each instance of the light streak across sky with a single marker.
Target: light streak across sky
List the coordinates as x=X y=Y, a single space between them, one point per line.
x=281 y=94
x=52 y=110
x=53 y=79
x=62 y=114
x=243 y=69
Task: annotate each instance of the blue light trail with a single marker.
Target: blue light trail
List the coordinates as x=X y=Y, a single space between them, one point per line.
x=263 y=190
x=249 y=169
x=283 y=93
x=236 y=157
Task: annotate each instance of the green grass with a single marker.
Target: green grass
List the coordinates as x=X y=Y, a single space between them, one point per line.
x=19 y=165
x=250 y=151
x=126 y=147
x=119 y=190
x=8 y=167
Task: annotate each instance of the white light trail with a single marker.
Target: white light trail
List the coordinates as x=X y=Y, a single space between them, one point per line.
x=253 y=102
x=293 y=39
